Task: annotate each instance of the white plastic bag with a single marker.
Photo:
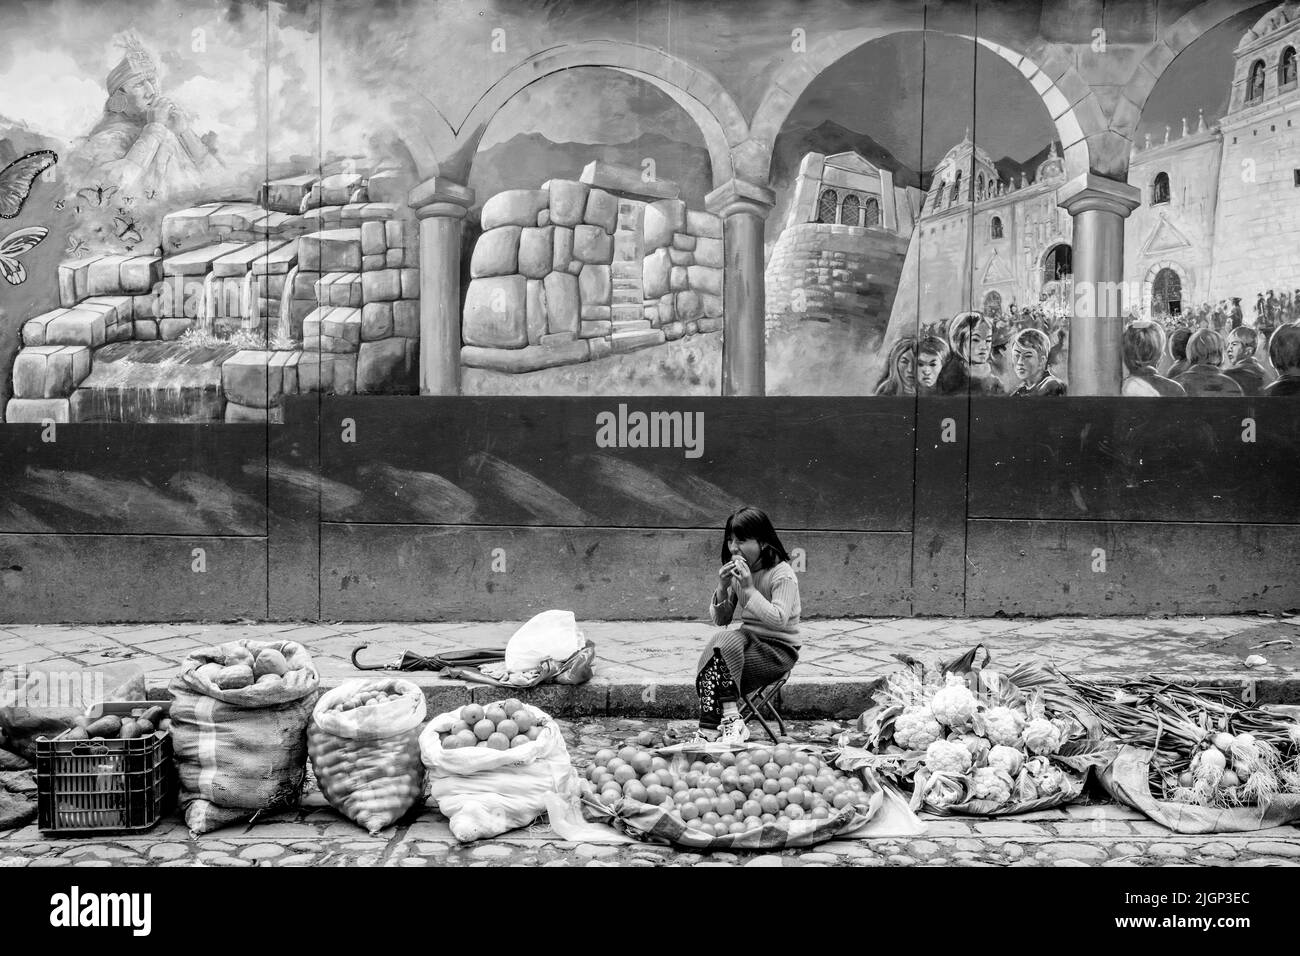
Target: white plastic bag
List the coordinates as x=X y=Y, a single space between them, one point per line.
x=552 y=634
x=484 y=792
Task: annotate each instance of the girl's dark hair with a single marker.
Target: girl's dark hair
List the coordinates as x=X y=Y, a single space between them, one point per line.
x=750 y=524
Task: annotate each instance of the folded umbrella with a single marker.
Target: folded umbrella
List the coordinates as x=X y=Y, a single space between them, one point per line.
x=411 y=661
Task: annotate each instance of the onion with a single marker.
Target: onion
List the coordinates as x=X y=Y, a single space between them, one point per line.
x=1229 y=780
x=1212 y=762
x=1224 y=742
x=1185 y=779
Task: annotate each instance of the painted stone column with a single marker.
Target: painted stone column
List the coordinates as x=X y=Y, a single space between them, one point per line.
x=1099 y=207
x=440 y=205
x=743 y=208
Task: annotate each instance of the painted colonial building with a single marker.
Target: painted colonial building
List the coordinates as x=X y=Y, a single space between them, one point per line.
x=1220 y=214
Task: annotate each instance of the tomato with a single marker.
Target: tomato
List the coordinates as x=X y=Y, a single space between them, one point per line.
x=633 y=790
x=793 y=812
x=725 y=806
x=771 y=786
x=841 y=800
x=767 y=818
x=782 y=756
x=658 y=763
x=720 y=830
x=760 y=756
x=680 y=798
x=770 y=804
x=730 y=778
x=771 y=770
x=703 y=804
x=746 y=785
x=738 y=827
x=820 y=813
x=626 y=754
x=688 y=811
x=624 y=773
x=796 y=796
x=727 y=760
x=709 y=818
x=752 y=808
x=698 y=767
x=641 y=762
x=786 y=784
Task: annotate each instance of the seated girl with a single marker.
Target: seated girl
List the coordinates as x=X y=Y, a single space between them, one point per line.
x=757 y=581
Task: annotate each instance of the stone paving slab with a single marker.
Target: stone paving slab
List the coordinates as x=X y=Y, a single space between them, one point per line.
x=647 y=667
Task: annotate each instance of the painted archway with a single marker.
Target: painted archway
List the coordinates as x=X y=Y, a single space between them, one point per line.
x=1068 y=112
x=698 y=92
x=1181 y=272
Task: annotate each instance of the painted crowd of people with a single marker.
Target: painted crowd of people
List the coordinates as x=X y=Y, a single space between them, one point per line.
x=1204 y=351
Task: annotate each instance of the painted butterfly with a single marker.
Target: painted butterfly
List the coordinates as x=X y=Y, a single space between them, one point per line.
x=16 y=181
x=13 y=246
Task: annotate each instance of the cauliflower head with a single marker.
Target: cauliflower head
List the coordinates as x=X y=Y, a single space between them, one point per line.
x=1006 y=759
x=945 y=757
x=954 y=705
x=1041 y=736
x=915 y=728
x=993 y=784
x=977 y=745
x=1003 y=726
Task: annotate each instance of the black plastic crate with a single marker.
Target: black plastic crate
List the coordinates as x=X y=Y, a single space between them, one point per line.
x=104 y=786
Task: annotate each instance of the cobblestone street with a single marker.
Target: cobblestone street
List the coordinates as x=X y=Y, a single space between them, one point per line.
x=1088 y=834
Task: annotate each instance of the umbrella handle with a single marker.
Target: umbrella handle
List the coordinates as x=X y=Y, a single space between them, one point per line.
x=395 y=665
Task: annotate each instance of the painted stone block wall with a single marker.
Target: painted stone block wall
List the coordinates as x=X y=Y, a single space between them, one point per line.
x=571 y=273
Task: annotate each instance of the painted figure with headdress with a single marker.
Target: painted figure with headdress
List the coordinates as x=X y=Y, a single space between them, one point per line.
x=144 y=142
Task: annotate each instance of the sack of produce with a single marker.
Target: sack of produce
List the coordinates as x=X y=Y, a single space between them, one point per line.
x=1199 y=803
x=43 y=700
x=712 y=797
x=971 y=740
x=364 y=744
x=1198 y=761
x=490 y=767
x=239 y=729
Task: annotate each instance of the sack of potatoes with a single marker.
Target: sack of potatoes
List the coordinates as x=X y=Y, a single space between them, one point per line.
x=239 y=664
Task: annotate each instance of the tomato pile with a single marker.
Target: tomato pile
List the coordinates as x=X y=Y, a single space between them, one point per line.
x=500 y=725
x=728 y=792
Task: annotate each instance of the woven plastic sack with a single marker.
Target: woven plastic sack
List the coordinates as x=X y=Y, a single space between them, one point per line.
x=241 y=752
x=484 y=792
x=1128 y=781
x=367 y=759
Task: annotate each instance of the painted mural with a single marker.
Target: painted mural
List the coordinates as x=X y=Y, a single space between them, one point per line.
x=211 y=207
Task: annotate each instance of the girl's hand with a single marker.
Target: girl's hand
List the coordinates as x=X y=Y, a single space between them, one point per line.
x=743 y=577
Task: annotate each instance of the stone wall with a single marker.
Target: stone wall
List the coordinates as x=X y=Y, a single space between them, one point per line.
x=546 y=289
x=333 y=286
x=1257 y=231
x=828 y=273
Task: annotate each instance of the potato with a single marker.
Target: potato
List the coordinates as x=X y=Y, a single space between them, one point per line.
x=208 y=672
x=106 y=727
x=146 y=727
x=235 y=653
x=234 y=676
x=77 y=733
x=154 y=714
x=130 y=729
x=270 y=661
x=81 y=721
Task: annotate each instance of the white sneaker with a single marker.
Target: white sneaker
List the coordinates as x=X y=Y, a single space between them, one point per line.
x=734 y=730
x=702 y=738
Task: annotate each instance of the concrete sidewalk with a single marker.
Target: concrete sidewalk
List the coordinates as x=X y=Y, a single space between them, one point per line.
x=646 y=668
